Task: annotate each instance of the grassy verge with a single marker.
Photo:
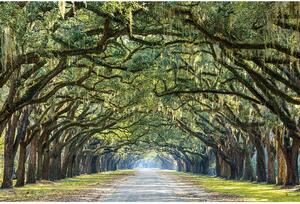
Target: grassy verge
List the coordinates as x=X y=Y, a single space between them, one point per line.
x=246 y=190
x=61 y=190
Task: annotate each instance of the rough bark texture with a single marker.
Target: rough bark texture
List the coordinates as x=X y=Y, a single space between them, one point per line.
x=39 y=161
x=291 y=159
x=55 y=167
x=218 y=166
x=280 y=165
x=271 y=177
x=248 y=173
x=46 y=162
x=21 y=165
x=204 y=165
x=225 y=169
x=31 y=172
x=260 y=162
x=8 y=153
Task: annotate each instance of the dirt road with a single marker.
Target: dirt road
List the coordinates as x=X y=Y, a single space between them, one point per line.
x=154 y=185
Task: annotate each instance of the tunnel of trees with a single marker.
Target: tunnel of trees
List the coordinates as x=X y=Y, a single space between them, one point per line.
x=212 y=88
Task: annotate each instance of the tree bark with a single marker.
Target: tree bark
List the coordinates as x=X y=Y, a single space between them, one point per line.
x=204 y=165
x=46 y=162
x=70 y=168
x=271 y=177
x=291 y=158
x=179 y=165
x=280 y=164
x=248 y=173
x=93 y=164
x=218 y=165
x=65 y=163
x=187 y=166
x=31 y=172
x=260 y=161
x=55 y=168
x=21 y=165
x=39 y=161
x=8 y=153
x=225 y=170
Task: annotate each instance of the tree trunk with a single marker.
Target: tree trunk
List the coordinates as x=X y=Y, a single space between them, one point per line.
x=21 y=165
x=46 y=162
x=70 y=167
x=65 y=163
x=291 y=159
x=31 y=172
x=78 y=160
x=233 y=172
x=260 y=161
x=8 y=167
x=102 y=163
x=248 y=173
x=226 y=171
x=179 y=165
x=93 y=164
x=187 y=166
x=83 y=161
x=8 y=153
x=271 y=177
x=280 y=164
x=289 y=148
x=240 y=165
x=218 y=165
x=39 y=161
x=98 y=164
x=204 y=165
x=55 y=166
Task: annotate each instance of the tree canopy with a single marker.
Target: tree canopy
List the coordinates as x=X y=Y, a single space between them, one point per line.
x=95 y=86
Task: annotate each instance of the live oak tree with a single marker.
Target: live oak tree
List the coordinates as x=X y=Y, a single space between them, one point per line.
x=89 y=87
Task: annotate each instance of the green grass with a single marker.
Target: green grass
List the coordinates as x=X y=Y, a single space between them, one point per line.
x=47 y=190
x=246 y=190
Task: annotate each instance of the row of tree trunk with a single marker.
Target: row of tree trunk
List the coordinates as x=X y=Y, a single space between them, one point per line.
x=37 y=162
x=273 y=162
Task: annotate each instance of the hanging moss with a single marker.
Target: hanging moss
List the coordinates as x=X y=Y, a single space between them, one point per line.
x=62 y=8
x=8 y=47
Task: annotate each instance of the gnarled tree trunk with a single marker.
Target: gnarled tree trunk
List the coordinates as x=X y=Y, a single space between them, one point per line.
x=291 y=159
x=271 y=177
x=8 y=153
x=31 y=172
x=260 y=160
x=21 y=165
x=248 y=173
x=46 y=162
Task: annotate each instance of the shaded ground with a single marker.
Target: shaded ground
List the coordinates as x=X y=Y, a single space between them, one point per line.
x=154 y=185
